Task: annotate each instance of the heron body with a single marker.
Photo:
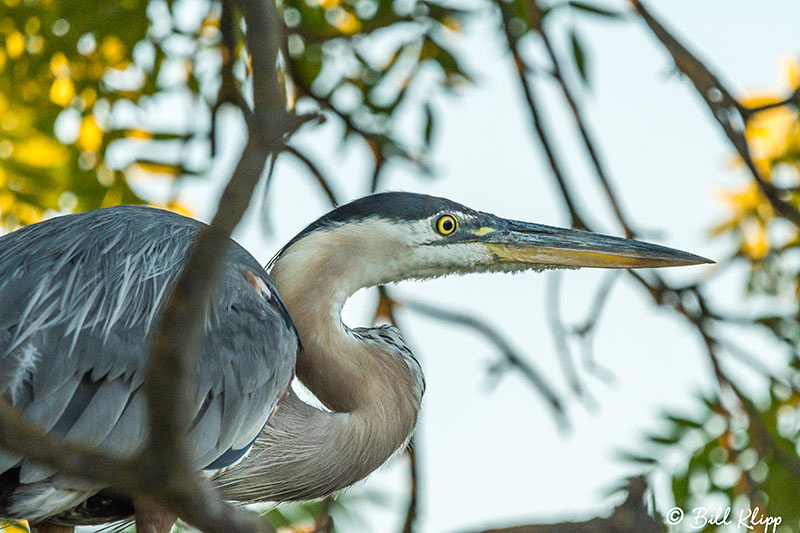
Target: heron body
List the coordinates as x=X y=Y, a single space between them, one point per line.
x=80 y=298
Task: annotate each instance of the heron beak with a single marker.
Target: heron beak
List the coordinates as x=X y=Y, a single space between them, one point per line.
x=511 y=241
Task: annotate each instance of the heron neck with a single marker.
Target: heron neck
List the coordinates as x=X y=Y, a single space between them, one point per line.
x=373 y=395
x=345 y=373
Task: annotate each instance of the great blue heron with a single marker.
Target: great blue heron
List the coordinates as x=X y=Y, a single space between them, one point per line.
x=80 y=297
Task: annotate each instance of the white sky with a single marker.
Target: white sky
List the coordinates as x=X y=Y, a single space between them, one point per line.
x=495 y=457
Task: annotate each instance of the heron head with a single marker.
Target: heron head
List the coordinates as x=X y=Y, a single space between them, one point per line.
x=394 y=236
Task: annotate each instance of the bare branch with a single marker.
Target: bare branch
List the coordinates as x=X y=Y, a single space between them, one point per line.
x=413 y=496
x=323 y=182
x=162 y=471
x=792 y=100
x=631 y=516
x=728 y=112
x=538 y=125
x=559 y=334
x=510 y=356
x=762 y=438
x=588 y=143
x=20 y=437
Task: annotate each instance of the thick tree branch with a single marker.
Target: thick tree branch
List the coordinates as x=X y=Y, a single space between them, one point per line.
x=162 y=470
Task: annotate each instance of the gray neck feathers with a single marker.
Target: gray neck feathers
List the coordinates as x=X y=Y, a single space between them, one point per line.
x=366 y=377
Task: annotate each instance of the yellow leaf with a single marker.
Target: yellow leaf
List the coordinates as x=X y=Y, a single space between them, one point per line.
x=755 y=242
x=743 y=200
x=15 y=44
x=177 y=207
x=152 y=167
x=62 y=91
x=41 y=152
x=112 y=197
x=347 y=23
x=32 y=26
x=791 y=66
x=28 y=214
x=7 y=201
x=139 y=134
x=16 y=526
x=328 y=4
x=452 y=23
x=59 y=65
x=90 y=136
x=112 y=49
x=88 y=97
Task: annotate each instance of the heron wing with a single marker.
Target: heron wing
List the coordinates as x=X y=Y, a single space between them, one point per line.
x=80 y=296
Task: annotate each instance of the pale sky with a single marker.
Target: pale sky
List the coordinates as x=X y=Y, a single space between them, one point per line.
x=495 y=457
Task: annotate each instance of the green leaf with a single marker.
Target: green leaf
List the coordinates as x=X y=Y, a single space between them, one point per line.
x=579 y=56
x=681 y=421
x=637 y=458
x=429 y=123
x=595 y=10
x=662 y=440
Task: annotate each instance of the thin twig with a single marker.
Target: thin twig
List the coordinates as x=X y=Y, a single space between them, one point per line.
x=792 y=100
x=580 y=122
x=413 y=488
x=576 y=220
x=553 y=305
x=728 y=112
x=509 y=354
x=322 y=181
x=586 y=329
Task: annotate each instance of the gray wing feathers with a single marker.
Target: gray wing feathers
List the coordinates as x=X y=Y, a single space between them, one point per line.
x=82 y=295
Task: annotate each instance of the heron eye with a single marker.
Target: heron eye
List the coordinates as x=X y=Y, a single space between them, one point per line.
x=446 y=224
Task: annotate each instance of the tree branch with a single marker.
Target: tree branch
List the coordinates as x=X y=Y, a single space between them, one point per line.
x=162 y=470
x=510 y=356
x=538 y=124
x=322 y=181
x=413 y=496
x=580 y=123
x=727 y=111
x=631 y=516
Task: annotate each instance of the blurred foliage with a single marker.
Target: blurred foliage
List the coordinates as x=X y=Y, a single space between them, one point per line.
x=20 y=526
x=765 y=240
x=733 y=461
x=736 y=453
x=767 y=243
x=79 y=78
x=70 y=73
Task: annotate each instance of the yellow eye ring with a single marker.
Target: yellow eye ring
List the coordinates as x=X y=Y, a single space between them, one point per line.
x=446 y=224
